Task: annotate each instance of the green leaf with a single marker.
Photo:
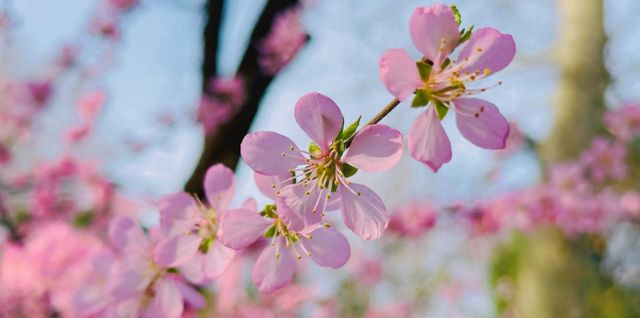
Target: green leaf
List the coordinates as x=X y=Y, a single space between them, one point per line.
x=465 y=35
x=420 y=99
x=271 y=231
x=456 y=14
x=441 y=109
x=350 y=130
x=348 y=170
x=315 y=149
x=424 y=69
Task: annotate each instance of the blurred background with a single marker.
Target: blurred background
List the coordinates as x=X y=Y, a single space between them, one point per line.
x=157 y=62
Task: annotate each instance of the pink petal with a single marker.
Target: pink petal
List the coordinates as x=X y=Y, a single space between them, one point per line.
x=192 y=270
x=219 y=186
x=241 y=227
x=191 y=295
x=399 y=73
x=481 y=123
x=428 y=142
x=487 y=49
x=263 y=150
x=173 y=212
x=364 y=213
x=319 y=117
x=250 y=204
x=375 y=148
x=270 y=185
x=167 y=301
x=127 y=284
x=125 y=233
x=434 y=32
x=328 y=247
x=271 y=273
x=216 y=260
x=296 y=208
x=176 y=250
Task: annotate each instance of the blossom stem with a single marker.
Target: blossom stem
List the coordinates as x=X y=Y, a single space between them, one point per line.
x=377 y=118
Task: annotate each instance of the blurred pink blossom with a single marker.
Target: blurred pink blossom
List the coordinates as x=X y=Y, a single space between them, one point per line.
x=286 y=37
x=413 y=219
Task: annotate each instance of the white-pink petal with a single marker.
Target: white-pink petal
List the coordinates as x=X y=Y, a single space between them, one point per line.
x=270 y=153
x=242 y=227
x=487 y=49
x=297 y=208
x=428 y=142
x=434 y=32
x=173 y=209
x=375 y=148
x=219 y=186
x=481 y=123
x=328 y=247
x=167 y=301
x=176 y=250
x=271 y=185
x=216 y=260
x=363 y=211
x=319 y=117
x=399 y=73
x=273 y=271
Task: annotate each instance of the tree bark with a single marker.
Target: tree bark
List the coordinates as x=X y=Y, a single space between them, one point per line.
x=556 y=276
x=223 y=146
x=580 y=103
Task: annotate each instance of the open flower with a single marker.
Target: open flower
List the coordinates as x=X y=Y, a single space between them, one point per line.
x=141 y=287
x=440 y=83
x=191 y=228
x=311 y=180
x=276 y=264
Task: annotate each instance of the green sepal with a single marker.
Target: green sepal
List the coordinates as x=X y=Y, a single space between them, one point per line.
x=424 y=69
x=172 y=270
x=271 y=232
x=420 y=99
x=465 y=35
x=334 y=187
x=446 y=63
x=83 y=219
x=456 y=14
x=441 y=109
x=205 y=245
x=269 y=211
x=315 y=150
x=348 y=170
x=346 y=133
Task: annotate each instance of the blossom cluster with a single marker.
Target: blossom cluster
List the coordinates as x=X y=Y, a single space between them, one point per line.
x=76 y=248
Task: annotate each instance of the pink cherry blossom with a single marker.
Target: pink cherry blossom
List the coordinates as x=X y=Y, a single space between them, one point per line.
x=122 y=5
x=212 y=113
x=605 y=159
x=141 y=287
x=88 y=107
x=443 y=83
x=276 y=265
x=413 y=219
x=319 y=175
x=230 y=90
x=624 y=122
x=191 y=229
x=285 y=39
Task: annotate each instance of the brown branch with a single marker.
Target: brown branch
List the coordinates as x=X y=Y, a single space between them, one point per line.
x=223 y=146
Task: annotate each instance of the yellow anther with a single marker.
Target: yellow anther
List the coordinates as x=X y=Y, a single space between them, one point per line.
x=487 y=72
